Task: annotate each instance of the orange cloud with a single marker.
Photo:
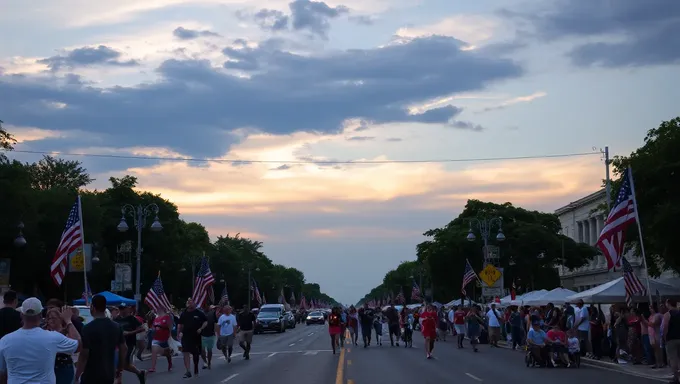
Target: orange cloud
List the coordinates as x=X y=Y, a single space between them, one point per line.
x=361 y=232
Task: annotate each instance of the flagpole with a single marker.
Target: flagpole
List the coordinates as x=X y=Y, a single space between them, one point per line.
x=82 y=237
x=639 y=225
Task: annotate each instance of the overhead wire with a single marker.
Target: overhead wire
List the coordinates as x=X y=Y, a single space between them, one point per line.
x=318 y=162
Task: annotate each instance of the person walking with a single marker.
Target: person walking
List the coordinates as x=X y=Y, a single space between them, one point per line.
x=160 y=344
x=366 y=320
x=246 y=325
x=208 y=337
x=334 y=327
x=102 y=358
x=393 y=324
x=429 y=328
x=10 y=319
x=191 y=324
x=131 y=327
x=226 y=330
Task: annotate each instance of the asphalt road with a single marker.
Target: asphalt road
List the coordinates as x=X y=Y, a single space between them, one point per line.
x=303 y=356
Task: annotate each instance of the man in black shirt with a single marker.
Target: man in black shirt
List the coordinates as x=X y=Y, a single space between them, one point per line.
x=102 y=338
x=246 y=324
x=10 y=319
x=366 y=320
x=191 y=324
x=208 y=338
x=131 y=327
x=393 y=323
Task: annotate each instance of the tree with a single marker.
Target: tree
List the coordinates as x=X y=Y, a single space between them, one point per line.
x=6 y=139
x=656 y=174
x=528 y=234
x=51 y=173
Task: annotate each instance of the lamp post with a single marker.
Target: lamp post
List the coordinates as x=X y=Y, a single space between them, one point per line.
x=139 y=215
x=485 y=225
x=20 y=240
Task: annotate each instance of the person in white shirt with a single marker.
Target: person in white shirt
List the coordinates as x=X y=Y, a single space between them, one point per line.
x=225 y=330
x=494 y=325
x=449 y=316
x=582 y=325
x=27 y=355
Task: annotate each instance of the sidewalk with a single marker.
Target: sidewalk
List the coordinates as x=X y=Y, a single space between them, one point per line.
x=643 y=371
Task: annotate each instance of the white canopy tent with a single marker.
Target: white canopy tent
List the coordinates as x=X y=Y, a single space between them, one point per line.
x=521 y=299
x=458 y=302
x=615 y=292
x=557 y=296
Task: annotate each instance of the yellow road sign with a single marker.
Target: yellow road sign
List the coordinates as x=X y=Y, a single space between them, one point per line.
x=490 y=275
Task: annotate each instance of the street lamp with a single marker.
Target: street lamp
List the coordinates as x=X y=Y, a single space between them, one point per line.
x=139 y=215
x=20 y=241
x=485 y=225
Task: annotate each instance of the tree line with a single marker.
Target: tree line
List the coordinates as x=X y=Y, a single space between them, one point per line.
x=534 y=243
x=40 y=195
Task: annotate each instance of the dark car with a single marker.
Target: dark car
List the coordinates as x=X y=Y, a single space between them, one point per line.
x=270 y=320
x=289 y=319
x=316 y=318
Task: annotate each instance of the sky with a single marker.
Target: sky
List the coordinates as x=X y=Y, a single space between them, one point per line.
x=284 y=86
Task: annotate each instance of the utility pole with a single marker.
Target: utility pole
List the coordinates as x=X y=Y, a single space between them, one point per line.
x=607 y=183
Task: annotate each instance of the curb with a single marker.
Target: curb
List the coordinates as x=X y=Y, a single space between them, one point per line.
x=610 y=367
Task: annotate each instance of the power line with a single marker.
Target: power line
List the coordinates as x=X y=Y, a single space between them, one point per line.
x=320 y=162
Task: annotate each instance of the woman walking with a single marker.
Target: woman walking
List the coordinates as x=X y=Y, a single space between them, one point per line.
x=474 y=326
x=353 y=325
x=334 y=326
x=160 y=345
x=429 y=328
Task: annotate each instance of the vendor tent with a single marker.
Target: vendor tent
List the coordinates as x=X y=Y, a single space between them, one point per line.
x=521 y=299
x=615 y=292
x=557 y=296
x=111 y=299
x=457 y=302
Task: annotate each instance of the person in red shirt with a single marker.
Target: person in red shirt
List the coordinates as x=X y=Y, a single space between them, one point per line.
x=429 y=328
x=162 y=325
x=559 y=344
x=459 y=324
x=334 y=326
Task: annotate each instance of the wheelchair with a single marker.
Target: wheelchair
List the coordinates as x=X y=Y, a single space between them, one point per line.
x=574 y=359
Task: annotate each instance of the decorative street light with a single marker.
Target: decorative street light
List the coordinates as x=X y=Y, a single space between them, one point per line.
x=20 y=241
x=485 y=225
x=139 y=215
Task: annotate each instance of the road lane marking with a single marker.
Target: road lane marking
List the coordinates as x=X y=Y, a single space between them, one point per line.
x=629 y=373
x=299 y=340
x=340 y=373
x=272 y=354
x=291 y=344
x=311 y=353
x=310 y=334
x=473 y=377
x=230 y=377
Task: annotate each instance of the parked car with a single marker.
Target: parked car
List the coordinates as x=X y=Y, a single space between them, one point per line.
x=270 y=319
x=316 y=318
x=289 y=319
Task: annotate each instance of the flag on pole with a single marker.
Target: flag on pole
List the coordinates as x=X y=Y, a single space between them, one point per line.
x=415 y=292
x=292 y=298
x=632 y=284
x=256 y=294
x=282 y=297
x=211 y=295
x=87 y=294
x=401 y=299
x=264 y=298
x=71 y=241
x=612 y=236
x=513 y=293
x=204 y=282
x=156 y=298
x=468 y=276
x=224 y=299
x=303 y=302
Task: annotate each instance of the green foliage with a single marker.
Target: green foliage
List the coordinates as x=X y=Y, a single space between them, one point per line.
x=6 y=139
x=41 y=194
x=527 y=233
x=656 y=174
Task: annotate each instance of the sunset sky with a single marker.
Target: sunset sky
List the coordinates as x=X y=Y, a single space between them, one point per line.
x=279 y=85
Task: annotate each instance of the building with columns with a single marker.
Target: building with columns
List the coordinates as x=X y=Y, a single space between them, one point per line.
x=582 y=220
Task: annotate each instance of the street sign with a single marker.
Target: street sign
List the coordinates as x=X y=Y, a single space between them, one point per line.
x=490 y=275
x=492 y=291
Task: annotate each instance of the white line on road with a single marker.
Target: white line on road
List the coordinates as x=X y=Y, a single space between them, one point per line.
x=310 y=334
x=291 y=344
x=300 y=340
x=311 y=353
x=230 y=377
x=473 y=377
x=272 y=354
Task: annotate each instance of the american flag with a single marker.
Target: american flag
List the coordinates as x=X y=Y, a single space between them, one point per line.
x=87 y=294
x=612 y=237
x=292 y=297
x=633 y=285
x=415 y=292
x=282 y=298
x=468 y=276
x=303 y=302
x=204 y=282
x=71 y=241
x=401 y=299
x=256 y=294
x=211 y=295
x=224 y=299
x=156 y=298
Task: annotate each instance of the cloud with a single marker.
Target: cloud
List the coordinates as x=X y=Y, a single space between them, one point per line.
x=271 y=20
x=190 y=34
x=197 y=105
x=516 y=100
x=473 y=29
x=630 y=32
x=360 y=138
x=394 y=139
x=314 y=16
x=363 y=19
x=87 y=56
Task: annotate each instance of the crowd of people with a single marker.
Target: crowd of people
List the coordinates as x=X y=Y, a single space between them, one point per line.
x=51 y=344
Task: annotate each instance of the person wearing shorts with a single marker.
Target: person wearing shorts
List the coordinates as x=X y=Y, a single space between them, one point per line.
x=161 y=326
x=226 y=326
x=459 y=325
x=191 y=324
x=246 y=324
x=208 y=337
x=131 y=327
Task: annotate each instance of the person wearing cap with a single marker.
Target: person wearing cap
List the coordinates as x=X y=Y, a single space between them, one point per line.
x=131 y=327
x=28 y=354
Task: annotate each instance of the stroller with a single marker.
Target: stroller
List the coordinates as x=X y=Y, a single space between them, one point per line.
x=407 y=334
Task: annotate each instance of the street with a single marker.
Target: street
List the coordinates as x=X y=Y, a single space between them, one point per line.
x=303 y=356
